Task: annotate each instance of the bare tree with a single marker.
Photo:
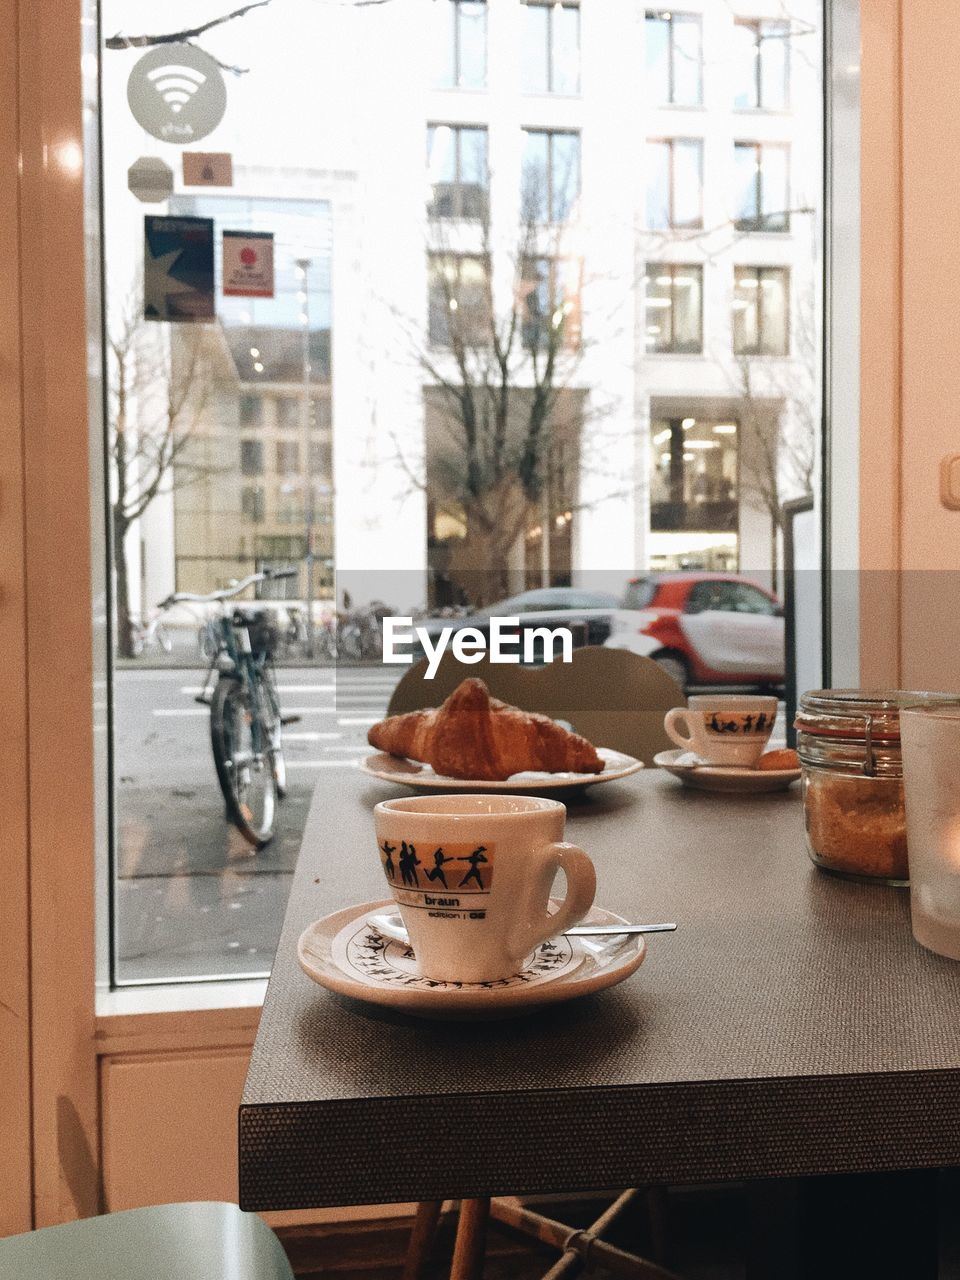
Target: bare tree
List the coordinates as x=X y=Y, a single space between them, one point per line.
x=778 y=418
x=156 y=399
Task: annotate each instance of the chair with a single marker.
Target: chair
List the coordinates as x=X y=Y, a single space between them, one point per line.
x=613 y=697
x=199 y=1241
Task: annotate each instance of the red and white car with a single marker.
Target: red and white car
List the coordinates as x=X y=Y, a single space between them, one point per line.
x=703 y=628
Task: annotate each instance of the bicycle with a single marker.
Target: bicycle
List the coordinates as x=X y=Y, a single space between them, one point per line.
x=245 y=718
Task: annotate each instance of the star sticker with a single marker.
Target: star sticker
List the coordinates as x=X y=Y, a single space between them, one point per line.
x=159 y=284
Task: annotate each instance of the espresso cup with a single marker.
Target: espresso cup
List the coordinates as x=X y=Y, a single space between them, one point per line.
x=472 y=875
x=723 y=729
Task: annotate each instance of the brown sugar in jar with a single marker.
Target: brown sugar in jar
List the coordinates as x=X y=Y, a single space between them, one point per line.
x=848 y=741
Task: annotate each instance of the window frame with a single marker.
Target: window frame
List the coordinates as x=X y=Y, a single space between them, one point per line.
x=457 y=185
x=550 y=6
x=550 y=134
x=457 y=29
x=756 y=225
x=671 y=17
x=758 y=24
x=673 y=268
x=671 y=142
x=760 y=272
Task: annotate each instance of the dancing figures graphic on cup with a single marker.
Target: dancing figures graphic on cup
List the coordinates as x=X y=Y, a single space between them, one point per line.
x=471 y=875
x=723 y=729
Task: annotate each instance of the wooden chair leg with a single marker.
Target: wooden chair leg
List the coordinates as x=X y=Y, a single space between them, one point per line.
x=421 y=1239
x=471 y=1237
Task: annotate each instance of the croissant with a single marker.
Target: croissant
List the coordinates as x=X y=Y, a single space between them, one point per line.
x=475 y=736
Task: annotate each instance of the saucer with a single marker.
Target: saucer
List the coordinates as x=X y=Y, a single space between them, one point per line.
x=411 y=773
x=346 y=954
x=730 y=778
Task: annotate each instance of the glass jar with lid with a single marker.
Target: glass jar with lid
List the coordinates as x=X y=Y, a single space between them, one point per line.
x=848 y=741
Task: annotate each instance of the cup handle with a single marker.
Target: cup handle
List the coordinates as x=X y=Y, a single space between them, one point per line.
x=581 y=877
x=678 y=716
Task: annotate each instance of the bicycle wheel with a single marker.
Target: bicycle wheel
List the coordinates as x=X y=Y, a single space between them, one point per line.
x=274 y=731
x=163 y=639
x=242 y=755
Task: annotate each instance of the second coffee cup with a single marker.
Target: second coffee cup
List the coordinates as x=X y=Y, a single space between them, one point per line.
x=472 y=876
x=723 y=729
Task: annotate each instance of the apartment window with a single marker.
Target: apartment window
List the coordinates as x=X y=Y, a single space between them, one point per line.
x=288 y=458
x=253 y=503
x=761 y=175
x=674 y=183
x=762 y=60
x=674 y=307
x=550 y=174
x=550 y=51
x=462 y=60
x=761 y=309
x=251 y=411
x=674 y=59
x=550 y=291
x=459 y=313
x=251 y=457
x=457 y=165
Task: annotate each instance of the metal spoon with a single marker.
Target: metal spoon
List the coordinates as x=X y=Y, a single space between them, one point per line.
x=390 y=926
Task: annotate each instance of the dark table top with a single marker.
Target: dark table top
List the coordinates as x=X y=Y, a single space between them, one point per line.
x=790 y=1026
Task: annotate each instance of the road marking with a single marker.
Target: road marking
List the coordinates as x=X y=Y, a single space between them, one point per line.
x=362 y=750
x=357 y=721
x=311 y=737
x=322 y=764
x=283 y=688
x=287 y=711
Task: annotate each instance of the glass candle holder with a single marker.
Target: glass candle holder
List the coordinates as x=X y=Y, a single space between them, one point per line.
x=930 y=744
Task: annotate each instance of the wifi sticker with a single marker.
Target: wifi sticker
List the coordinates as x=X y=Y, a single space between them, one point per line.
x=177 y=93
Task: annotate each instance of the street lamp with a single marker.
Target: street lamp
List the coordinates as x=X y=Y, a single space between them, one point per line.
x=303 y=266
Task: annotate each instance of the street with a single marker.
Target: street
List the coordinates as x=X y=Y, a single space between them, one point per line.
x=192 y=899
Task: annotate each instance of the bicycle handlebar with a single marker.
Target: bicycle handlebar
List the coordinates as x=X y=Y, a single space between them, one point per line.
x=191 y=597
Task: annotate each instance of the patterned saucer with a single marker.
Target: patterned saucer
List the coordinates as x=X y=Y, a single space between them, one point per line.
x=344 y=952
x=707 y=777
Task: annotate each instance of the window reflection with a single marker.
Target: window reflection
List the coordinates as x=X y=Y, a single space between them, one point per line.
x=761 y=177
x=674 y=307
x=550 y=175
x=674 y=183
x=462 y=52
x=674 y=60
x=760 y=311
x=457 y=168
x=550 y=47
x=762 y=60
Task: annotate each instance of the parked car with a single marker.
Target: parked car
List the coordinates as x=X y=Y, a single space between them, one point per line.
x=703 y=628
x=586 y=613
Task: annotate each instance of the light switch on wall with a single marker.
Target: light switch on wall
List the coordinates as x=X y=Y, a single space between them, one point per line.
x=950 y=481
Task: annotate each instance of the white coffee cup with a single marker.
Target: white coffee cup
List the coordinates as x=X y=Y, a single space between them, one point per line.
x=472 y=875
x=723 y=729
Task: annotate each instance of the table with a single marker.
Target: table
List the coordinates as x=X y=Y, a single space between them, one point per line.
x=791 y=1026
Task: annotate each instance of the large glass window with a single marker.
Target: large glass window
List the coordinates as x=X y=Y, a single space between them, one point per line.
x=762 y=56
x=387 y=313
x=550 y=178
x=550 y=52
x=674 y=307
x=461 y=42
x=674 y=184
x=762 y=179
x=457 y=166
x=761 y=311
x=674 y=62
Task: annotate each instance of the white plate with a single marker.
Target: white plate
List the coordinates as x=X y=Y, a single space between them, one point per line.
x=410 y=773
x=705 y=777
x=344 y=953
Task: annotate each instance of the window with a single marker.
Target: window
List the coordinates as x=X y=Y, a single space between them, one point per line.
x=550 y=180
x=748 y=599
x=251 y=457
x=550 y=294
x=459 y=314
x=321 y=458
x=761 y=308
x=761 y=176
x=288 y=458
x=251 y=411
x=674 y=308
x=762 y=61
x=462 y=55
x=675 y=184
x=253 y=503
x=288 y=410
x=674 y=59
x=693 y=474
x=457 y=167
x=550 y=52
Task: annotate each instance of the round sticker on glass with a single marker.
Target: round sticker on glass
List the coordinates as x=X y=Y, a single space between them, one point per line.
x=177 y=93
